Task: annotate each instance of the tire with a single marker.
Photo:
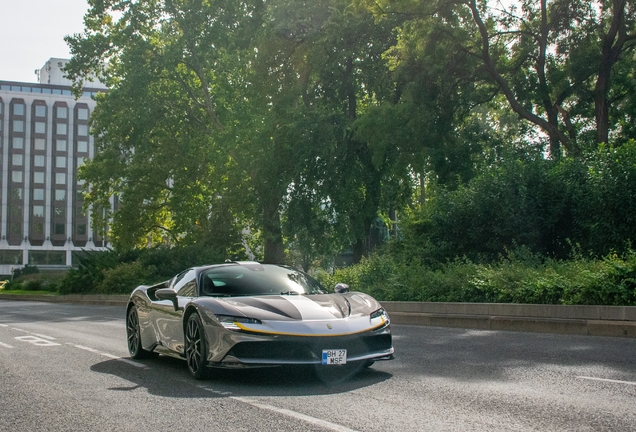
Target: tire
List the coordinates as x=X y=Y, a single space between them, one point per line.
x=196 y=347
x=133 y=336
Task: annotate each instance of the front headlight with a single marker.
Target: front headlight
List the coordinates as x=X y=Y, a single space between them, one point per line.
x=229 y=322
x=379 y=314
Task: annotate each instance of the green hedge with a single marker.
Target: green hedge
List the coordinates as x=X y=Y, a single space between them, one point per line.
x=607 y=281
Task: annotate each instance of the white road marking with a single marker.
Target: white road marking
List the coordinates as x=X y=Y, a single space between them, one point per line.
x=214 y=391
x=607 y=380
x=20 y=330
x=36 y=341
x=289 y=413
x=294 y=414
x=5 y=345
x=43 y=336
x=111 y=356
x=4 y=325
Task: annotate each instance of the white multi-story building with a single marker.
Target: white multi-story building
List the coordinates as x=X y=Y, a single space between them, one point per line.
x=44 y=137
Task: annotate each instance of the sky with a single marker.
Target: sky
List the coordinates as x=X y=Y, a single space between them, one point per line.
x=32 y=31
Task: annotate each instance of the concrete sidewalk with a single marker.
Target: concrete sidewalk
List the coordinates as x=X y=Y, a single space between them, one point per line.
x=617 y=321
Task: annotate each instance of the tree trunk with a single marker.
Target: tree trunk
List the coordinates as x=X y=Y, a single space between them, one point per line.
x=274 y=251
x=613 y=43
x=359 y=250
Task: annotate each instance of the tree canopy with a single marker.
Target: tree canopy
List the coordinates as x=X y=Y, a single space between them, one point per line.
x=290 y=127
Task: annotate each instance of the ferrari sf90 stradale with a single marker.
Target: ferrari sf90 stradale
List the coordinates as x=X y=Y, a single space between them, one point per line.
x=246 y=314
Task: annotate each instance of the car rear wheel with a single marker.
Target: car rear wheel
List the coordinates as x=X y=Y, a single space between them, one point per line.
x=133 y=335
x=196 y=349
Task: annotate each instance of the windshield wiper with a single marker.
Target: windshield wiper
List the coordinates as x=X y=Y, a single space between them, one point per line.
x=290 y=293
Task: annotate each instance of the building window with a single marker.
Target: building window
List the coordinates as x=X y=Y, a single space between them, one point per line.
x=18 y=126
x=38 y=160
x=47 y=258
x=62 y=112
x=38 y=194
x=38 y=177
x=37 y=228
x=60 y=194
x=18 y=109
x=82 y=130
x=79 y=212
x=15 y=228
x=15 y=211
x=60 y=162
x=82 y=146
x=82 y=114
x=60 y=128
x=16 y=176
x=40 y=127
x=39 y=144
x=60 y=145
x=18 y=143
x=40 y=111
x=81 y=229
x=38 y=211
x=17 y=160
x=59 y=228
x=59 y=212
x=60 y=178
x=80 y=161
x=16 y=193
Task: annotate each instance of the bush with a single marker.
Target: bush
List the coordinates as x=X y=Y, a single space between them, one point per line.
x=520 y=277
x=26 y=270
x=124 y=278
x=115 y=272
x=33 y=285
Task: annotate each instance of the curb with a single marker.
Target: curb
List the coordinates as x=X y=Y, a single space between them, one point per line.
x=519 y=324
x=590 y=320
x=613 y=321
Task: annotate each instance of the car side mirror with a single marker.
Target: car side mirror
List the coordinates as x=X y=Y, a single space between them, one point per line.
x=341 y=288
x=168 y=294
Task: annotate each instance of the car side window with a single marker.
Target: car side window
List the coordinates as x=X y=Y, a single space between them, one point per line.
x=187 y=287
x=175 y=280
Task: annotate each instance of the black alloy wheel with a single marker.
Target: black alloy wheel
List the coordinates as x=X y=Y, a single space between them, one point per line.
x=196 y=350
x=133 y=335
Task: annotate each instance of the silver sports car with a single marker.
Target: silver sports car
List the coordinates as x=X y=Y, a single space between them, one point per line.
x=246 y=314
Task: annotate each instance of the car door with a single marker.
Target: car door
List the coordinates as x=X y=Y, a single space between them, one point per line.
x=167 y=319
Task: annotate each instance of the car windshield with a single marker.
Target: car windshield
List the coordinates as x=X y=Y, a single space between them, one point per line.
x=241 y=280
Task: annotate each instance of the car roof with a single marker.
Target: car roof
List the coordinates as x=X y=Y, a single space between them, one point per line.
x=252 y=265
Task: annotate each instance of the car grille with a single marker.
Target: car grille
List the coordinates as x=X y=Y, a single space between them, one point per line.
x=309 y=349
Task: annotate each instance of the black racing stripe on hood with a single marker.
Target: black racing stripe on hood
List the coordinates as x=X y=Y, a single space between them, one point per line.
x=277 y=305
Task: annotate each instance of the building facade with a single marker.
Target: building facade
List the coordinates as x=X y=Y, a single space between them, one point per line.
x=44 y=138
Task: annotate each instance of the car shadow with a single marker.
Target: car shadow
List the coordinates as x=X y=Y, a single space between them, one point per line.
x=169 y=377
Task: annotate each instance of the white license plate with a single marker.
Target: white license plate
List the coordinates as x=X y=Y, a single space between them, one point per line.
x=334 y=357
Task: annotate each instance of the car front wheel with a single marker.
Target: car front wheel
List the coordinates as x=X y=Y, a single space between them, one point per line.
x=196 y=350
x=133 y=335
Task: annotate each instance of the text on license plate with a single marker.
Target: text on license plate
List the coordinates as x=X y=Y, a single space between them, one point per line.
x=334 y=357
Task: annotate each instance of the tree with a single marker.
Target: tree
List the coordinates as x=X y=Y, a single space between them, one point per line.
x=554 y=61
x=167 y=131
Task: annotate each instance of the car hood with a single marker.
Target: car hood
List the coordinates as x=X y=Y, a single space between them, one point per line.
x=315 y=307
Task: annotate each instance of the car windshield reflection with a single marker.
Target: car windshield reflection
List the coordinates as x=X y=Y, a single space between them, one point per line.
x=231 y=280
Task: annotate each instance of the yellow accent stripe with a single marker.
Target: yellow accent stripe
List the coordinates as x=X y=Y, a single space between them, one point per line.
x=239 y=325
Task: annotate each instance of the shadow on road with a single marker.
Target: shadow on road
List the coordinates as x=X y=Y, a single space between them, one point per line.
x=167 y=376
x=482 y=355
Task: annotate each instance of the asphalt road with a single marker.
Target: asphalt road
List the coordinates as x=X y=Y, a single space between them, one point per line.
x=66 y=368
